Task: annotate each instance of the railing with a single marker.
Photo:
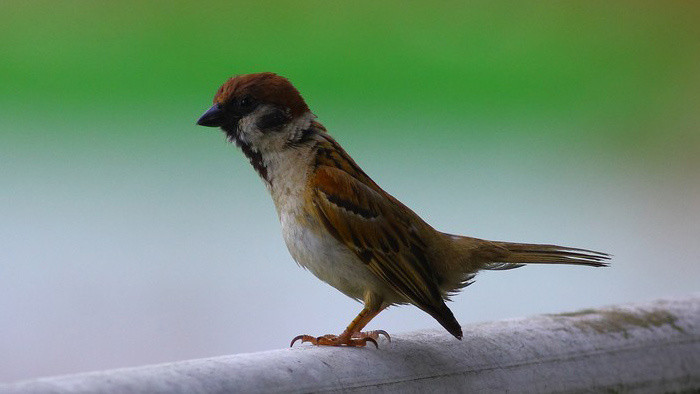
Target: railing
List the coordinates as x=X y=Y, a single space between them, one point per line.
x=646 y=347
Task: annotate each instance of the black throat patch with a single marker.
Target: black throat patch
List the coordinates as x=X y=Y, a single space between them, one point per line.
x=255 y=159
x=253 y=156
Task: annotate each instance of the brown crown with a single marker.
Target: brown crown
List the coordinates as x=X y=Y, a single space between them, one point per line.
x=266 y=87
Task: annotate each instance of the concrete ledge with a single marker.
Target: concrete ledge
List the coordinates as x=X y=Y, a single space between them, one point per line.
x=648 y=347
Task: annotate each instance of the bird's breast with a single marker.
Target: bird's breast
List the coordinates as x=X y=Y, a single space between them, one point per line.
x=313 y=248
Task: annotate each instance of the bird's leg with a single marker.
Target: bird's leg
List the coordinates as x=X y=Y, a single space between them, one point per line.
x=352 y=335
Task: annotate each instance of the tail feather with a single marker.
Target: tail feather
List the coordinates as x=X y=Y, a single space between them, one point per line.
x=444 y=316
x=518 y=254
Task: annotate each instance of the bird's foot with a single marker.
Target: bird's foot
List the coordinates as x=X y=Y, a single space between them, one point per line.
x=334 y=340
x=358 y=339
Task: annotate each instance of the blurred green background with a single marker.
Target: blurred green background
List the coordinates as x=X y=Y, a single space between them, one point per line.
x=129 y=236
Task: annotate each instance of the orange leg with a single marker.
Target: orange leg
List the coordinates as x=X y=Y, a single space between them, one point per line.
x=352 y=336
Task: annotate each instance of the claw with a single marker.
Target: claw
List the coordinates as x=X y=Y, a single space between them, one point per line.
x=382 y=332
x=368 y=339
x=304 y=338
x=374 y=334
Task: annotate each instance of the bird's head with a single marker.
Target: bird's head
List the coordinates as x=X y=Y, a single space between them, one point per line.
x=258 y=111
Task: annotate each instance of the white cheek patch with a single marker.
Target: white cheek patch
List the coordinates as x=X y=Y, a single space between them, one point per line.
x=248 y=131
x=271 y=146
x=301 y=123
x=248 y=125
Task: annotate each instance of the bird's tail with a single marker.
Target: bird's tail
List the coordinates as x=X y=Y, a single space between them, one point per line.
x=517 y=254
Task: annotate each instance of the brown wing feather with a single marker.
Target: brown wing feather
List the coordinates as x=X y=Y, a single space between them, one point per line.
x=378 y=229
x=359 y=218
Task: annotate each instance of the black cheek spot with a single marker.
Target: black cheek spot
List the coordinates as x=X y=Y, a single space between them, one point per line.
x=273 y=120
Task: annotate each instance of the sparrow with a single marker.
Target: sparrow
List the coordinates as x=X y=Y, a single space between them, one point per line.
x=340 y=225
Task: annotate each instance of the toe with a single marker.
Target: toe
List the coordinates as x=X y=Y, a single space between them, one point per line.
x=304 y=338
x=375 y=334
x=361 y=342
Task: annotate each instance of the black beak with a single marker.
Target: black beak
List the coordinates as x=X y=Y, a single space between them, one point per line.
x=214 y=117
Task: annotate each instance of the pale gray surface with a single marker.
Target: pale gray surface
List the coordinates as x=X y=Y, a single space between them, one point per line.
x=648 y=347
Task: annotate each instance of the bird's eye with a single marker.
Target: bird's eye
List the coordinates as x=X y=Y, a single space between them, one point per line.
x=245 y=102
x=243 y=106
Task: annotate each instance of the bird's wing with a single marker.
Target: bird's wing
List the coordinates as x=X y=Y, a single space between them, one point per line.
x=377 y=228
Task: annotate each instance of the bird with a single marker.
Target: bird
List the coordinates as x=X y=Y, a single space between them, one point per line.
x=345 y=229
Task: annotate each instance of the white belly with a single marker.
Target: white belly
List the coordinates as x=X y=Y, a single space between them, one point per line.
x=329 y=260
